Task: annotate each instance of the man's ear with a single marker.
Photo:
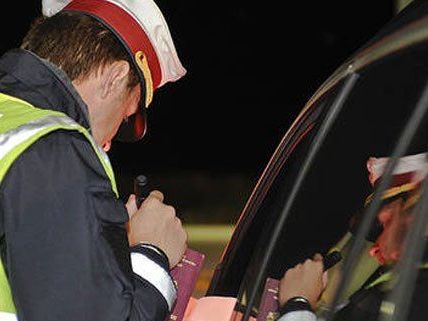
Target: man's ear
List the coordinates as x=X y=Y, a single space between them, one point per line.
x=114 y=76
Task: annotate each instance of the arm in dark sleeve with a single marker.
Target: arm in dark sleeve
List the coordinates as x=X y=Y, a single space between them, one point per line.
x=67 y=254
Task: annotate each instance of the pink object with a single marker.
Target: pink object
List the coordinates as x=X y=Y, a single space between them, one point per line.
x=185 y=275
x=192 y=303
x=269 y=304
x=211 y=308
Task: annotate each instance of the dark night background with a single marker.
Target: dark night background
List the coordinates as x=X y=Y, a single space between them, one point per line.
x=251 y=67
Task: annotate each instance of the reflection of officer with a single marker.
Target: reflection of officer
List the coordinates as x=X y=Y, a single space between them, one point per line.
x=364 y=267
x=65 y=252
x=302 y=285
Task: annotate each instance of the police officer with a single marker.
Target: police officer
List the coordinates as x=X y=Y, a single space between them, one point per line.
x=302 y=285
x=70 y=249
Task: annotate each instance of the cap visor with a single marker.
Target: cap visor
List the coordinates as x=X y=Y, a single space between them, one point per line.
x=134 y=128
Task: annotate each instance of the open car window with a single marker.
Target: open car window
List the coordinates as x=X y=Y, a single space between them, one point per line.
x=336 y=186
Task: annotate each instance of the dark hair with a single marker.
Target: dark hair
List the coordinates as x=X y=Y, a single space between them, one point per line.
x=76 y=43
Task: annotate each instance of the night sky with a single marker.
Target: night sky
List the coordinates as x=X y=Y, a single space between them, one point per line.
x=251 y=68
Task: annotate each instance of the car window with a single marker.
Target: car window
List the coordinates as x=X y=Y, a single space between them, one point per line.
x=405 y=287
x=230 y=272
x=337 y=185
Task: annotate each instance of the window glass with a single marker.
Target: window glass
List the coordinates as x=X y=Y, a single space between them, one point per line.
x=256 y=216
x=337 y=185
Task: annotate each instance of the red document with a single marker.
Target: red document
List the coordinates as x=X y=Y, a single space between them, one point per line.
x=269 y=304
x=185 y=275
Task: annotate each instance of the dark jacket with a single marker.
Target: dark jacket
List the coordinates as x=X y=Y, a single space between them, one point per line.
x=62 y=235
x=366 y=303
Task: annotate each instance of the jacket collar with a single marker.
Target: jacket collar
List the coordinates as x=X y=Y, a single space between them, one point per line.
x=28 y=77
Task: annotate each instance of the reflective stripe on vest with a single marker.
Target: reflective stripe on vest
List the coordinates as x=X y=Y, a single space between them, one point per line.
x=21 y=124
x=5 y=316
x=156 y=276
x=387 y=308
x=386 y=277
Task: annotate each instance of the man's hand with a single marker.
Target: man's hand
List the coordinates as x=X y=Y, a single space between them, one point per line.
x=307 y=280
x=156 y=223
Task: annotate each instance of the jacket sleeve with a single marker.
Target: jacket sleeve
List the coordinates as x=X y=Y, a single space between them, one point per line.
x=66 y=251
x=300 y=315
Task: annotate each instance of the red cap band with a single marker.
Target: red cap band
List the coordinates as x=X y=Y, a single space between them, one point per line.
x=125 y=25
x=399 y=179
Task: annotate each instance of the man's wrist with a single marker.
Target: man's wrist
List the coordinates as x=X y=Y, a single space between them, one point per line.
x=153 y=252
x=297 y=303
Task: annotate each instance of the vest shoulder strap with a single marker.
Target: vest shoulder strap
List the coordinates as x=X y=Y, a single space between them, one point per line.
x=22 y=124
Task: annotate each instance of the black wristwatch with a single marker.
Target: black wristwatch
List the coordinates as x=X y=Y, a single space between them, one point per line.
x=297 y=303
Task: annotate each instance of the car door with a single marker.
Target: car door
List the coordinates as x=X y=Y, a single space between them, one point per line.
x=310 y=192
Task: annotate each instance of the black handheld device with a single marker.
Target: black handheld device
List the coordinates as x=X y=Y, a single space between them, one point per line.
x=331 y=259
x=141 y=189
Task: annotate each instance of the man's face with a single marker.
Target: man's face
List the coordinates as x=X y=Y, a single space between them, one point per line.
x=126 y=103
x=109 y=99
x=395 y=222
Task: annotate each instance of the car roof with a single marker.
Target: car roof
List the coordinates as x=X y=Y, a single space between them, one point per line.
x=401 y=33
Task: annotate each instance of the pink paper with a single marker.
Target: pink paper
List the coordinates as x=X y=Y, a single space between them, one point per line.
x=211 y=308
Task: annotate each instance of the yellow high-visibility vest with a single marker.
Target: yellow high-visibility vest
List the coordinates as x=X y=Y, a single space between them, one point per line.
x=21 y=125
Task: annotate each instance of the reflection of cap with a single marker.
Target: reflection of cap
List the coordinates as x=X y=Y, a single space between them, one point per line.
x=141 y=27
x=405 y=181
x=406 y=176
